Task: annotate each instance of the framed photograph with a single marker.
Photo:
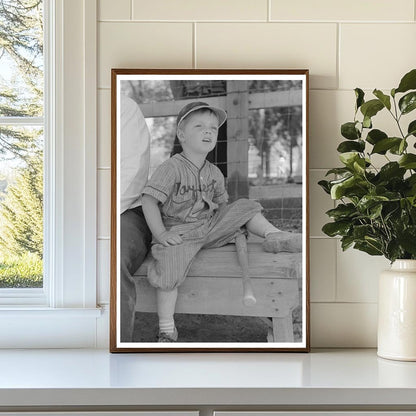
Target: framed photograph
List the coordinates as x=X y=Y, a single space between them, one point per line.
x=209 y=211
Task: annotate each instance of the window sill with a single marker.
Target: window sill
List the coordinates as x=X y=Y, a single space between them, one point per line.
x=40 y=327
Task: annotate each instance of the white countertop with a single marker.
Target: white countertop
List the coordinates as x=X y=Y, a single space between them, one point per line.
x=96 y=377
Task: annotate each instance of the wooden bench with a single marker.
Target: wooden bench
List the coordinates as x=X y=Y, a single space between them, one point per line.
x=214 y=286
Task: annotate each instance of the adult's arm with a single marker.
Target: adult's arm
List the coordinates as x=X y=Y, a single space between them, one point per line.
x=134 y=153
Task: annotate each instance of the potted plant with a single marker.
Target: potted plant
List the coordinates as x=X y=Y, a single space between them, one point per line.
x=376 y=209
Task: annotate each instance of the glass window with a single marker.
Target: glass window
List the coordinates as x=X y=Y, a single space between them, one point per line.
x=21 y=143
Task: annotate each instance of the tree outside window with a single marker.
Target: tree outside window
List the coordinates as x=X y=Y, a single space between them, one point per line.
x=21 y=143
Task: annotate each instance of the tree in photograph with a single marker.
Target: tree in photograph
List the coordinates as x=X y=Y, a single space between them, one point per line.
x=269 y=127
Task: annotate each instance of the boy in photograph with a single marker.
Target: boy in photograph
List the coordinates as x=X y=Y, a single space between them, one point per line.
x=185 y=206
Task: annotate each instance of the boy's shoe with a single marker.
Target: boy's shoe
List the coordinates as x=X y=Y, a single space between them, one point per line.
x=165 y=337
x=283 y=241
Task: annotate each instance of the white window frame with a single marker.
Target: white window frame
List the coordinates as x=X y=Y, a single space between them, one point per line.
x=64 y=313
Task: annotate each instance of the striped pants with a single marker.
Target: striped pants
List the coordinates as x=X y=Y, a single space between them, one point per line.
x=170 y=265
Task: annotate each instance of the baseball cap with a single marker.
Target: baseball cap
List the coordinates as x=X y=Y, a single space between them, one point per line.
x=198 y=105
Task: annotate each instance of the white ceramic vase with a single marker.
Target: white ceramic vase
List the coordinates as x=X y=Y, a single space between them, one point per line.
x=397 y=312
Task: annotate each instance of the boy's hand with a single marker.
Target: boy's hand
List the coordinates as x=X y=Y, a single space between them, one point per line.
x=169 y=238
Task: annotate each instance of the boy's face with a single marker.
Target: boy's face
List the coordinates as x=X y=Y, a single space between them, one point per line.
x=199 y=132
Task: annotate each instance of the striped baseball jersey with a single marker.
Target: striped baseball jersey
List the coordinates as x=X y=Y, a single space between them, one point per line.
x=187 y=194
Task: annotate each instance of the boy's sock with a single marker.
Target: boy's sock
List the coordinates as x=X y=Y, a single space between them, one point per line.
x=167 y=325
x=166 y=302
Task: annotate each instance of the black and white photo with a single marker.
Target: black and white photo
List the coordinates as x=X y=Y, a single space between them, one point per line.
x=209 y=243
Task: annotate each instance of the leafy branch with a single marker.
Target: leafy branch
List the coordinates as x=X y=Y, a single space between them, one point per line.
x=376 y=211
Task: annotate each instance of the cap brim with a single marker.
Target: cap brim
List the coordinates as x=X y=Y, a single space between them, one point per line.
x=219 y=112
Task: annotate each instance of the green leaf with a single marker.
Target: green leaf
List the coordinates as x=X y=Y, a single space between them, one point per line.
x=350 y=186
x=383 y=145
x=408 y=82
x=348 y=158
x=385 y=99
x=342 y=211
x=349 y=131
x=338 y=171
x=407 y=240
x=346 y=242
x=398 y=149
x=359 y=94
x=402 y=147
x=360 y=231
x=374 y=136
x=325 y=186
x=375 y=212
x=359 y=165
x=336 y=228
x=371 y=108
x=369 y=201
x=349 y=146
x=367 y=122
x=393 y=250
x=408 y=102
x=408 y=161
x=391 y=170
x=411 y=130
x=368 y=248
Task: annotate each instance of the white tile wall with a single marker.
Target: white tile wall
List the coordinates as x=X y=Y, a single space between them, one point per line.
x=142 y=45
x=103 y=270
x=114 y=10
x=271 y=45
x=345 y=44
x=369 y=10
x=104 y=128
x=350 y=325
x=104 y=202
x=201 y=10
x=357 y=275
x=323 y=269
x=367 y=53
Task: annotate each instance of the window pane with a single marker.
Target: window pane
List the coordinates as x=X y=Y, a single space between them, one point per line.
x=21 y=58
x=21 y=147
x=21 y=207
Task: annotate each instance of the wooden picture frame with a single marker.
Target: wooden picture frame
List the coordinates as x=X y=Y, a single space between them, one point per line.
x=262 y=151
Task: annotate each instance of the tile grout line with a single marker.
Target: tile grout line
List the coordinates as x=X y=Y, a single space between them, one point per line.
x=269 y=10
x=131 y=9
x=194 y=61
x=336 y=271
x=338 y=63
x=254 y=21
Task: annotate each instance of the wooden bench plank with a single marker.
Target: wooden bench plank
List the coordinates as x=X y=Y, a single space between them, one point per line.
x=214 y=287
x=223 y=296
x=223 y=262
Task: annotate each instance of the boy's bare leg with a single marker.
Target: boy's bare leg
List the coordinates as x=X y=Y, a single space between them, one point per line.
x=275 y=239
x=166 y=303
